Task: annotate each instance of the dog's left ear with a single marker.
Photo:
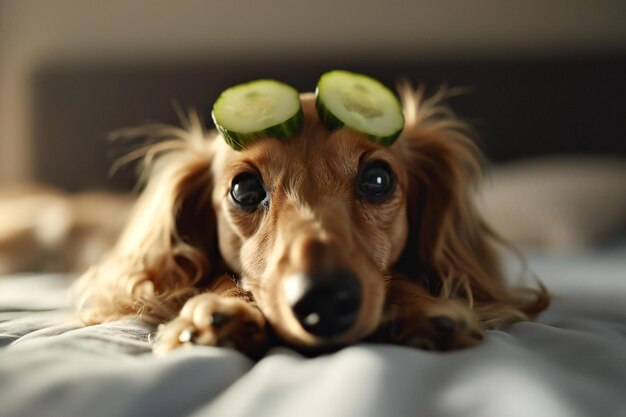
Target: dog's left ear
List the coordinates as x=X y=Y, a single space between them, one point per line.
x=450 y=247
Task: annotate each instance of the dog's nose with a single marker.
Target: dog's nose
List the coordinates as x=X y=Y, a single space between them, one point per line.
x=325 y=305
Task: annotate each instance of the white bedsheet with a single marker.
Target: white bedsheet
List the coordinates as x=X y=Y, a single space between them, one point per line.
x=570 y=363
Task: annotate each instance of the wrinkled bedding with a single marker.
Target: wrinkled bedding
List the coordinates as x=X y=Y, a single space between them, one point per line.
x=570 y=363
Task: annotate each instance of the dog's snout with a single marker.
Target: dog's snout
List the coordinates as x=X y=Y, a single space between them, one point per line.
x=326 y=305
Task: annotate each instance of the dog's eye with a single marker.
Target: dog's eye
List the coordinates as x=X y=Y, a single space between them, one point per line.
x=247 y=191
x=376 y=182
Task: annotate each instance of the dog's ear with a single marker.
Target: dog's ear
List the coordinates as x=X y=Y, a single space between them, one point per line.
x=450 y=247
x=169 y=244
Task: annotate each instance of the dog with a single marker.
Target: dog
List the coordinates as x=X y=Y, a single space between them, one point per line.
x=336 y=240
x=44 y=229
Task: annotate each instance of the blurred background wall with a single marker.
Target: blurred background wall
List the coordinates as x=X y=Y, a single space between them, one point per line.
x=58 y=57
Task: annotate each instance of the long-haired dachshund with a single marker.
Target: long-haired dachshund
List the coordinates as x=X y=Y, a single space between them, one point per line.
x=330 y=240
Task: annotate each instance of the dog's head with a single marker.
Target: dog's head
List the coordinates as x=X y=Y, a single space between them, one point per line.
x=312 y=226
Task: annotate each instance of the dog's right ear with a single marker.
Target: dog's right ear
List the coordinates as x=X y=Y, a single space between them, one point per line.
x=169 y=244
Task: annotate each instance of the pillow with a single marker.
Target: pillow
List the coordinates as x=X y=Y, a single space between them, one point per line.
x=560 y=203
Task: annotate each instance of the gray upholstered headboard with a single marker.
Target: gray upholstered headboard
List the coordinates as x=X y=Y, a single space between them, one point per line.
x=521 y=108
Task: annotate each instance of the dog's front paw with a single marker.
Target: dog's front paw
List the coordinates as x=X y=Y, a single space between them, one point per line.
x=213 y=320
x=441 y=326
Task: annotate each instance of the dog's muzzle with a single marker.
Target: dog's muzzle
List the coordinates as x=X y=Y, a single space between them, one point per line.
x=326 y=305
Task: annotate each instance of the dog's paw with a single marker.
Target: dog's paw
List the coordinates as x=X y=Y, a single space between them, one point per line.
x=213 y=320
x=441 y=326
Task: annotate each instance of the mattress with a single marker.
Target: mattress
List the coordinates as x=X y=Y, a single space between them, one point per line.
x=571 y=362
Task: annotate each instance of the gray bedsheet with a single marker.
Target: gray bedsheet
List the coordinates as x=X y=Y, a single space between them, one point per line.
x=570 y=363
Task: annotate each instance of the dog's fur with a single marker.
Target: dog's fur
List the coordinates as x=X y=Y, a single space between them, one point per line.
x=213 y=274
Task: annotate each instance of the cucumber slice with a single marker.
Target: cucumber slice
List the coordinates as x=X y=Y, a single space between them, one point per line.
x=360 y=103
x=259 y=108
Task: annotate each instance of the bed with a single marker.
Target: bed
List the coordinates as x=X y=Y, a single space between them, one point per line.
x=571 y=362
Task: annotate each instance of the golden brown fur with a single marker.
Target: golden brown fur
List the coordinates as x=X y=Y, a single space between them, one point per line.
x=426 y=262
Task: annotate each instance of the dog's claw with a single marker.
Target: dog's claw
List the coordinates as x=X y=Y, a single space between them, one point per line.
x=218 y=319
x=421 y=343
x=252 y=327
x=443 y=324
x=394 y=329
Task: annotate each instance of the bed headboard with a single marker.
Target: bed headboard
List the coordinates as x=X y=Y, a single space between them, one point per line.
x=521 y=108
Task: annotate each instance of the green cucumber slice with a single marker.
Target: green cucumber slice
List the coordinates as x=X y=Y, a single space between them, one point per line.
x=360 y=103
x=259 y=108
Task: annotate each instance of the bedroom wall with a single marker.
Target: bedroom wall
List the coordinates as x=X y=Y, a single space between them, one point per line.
x=34 y=33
